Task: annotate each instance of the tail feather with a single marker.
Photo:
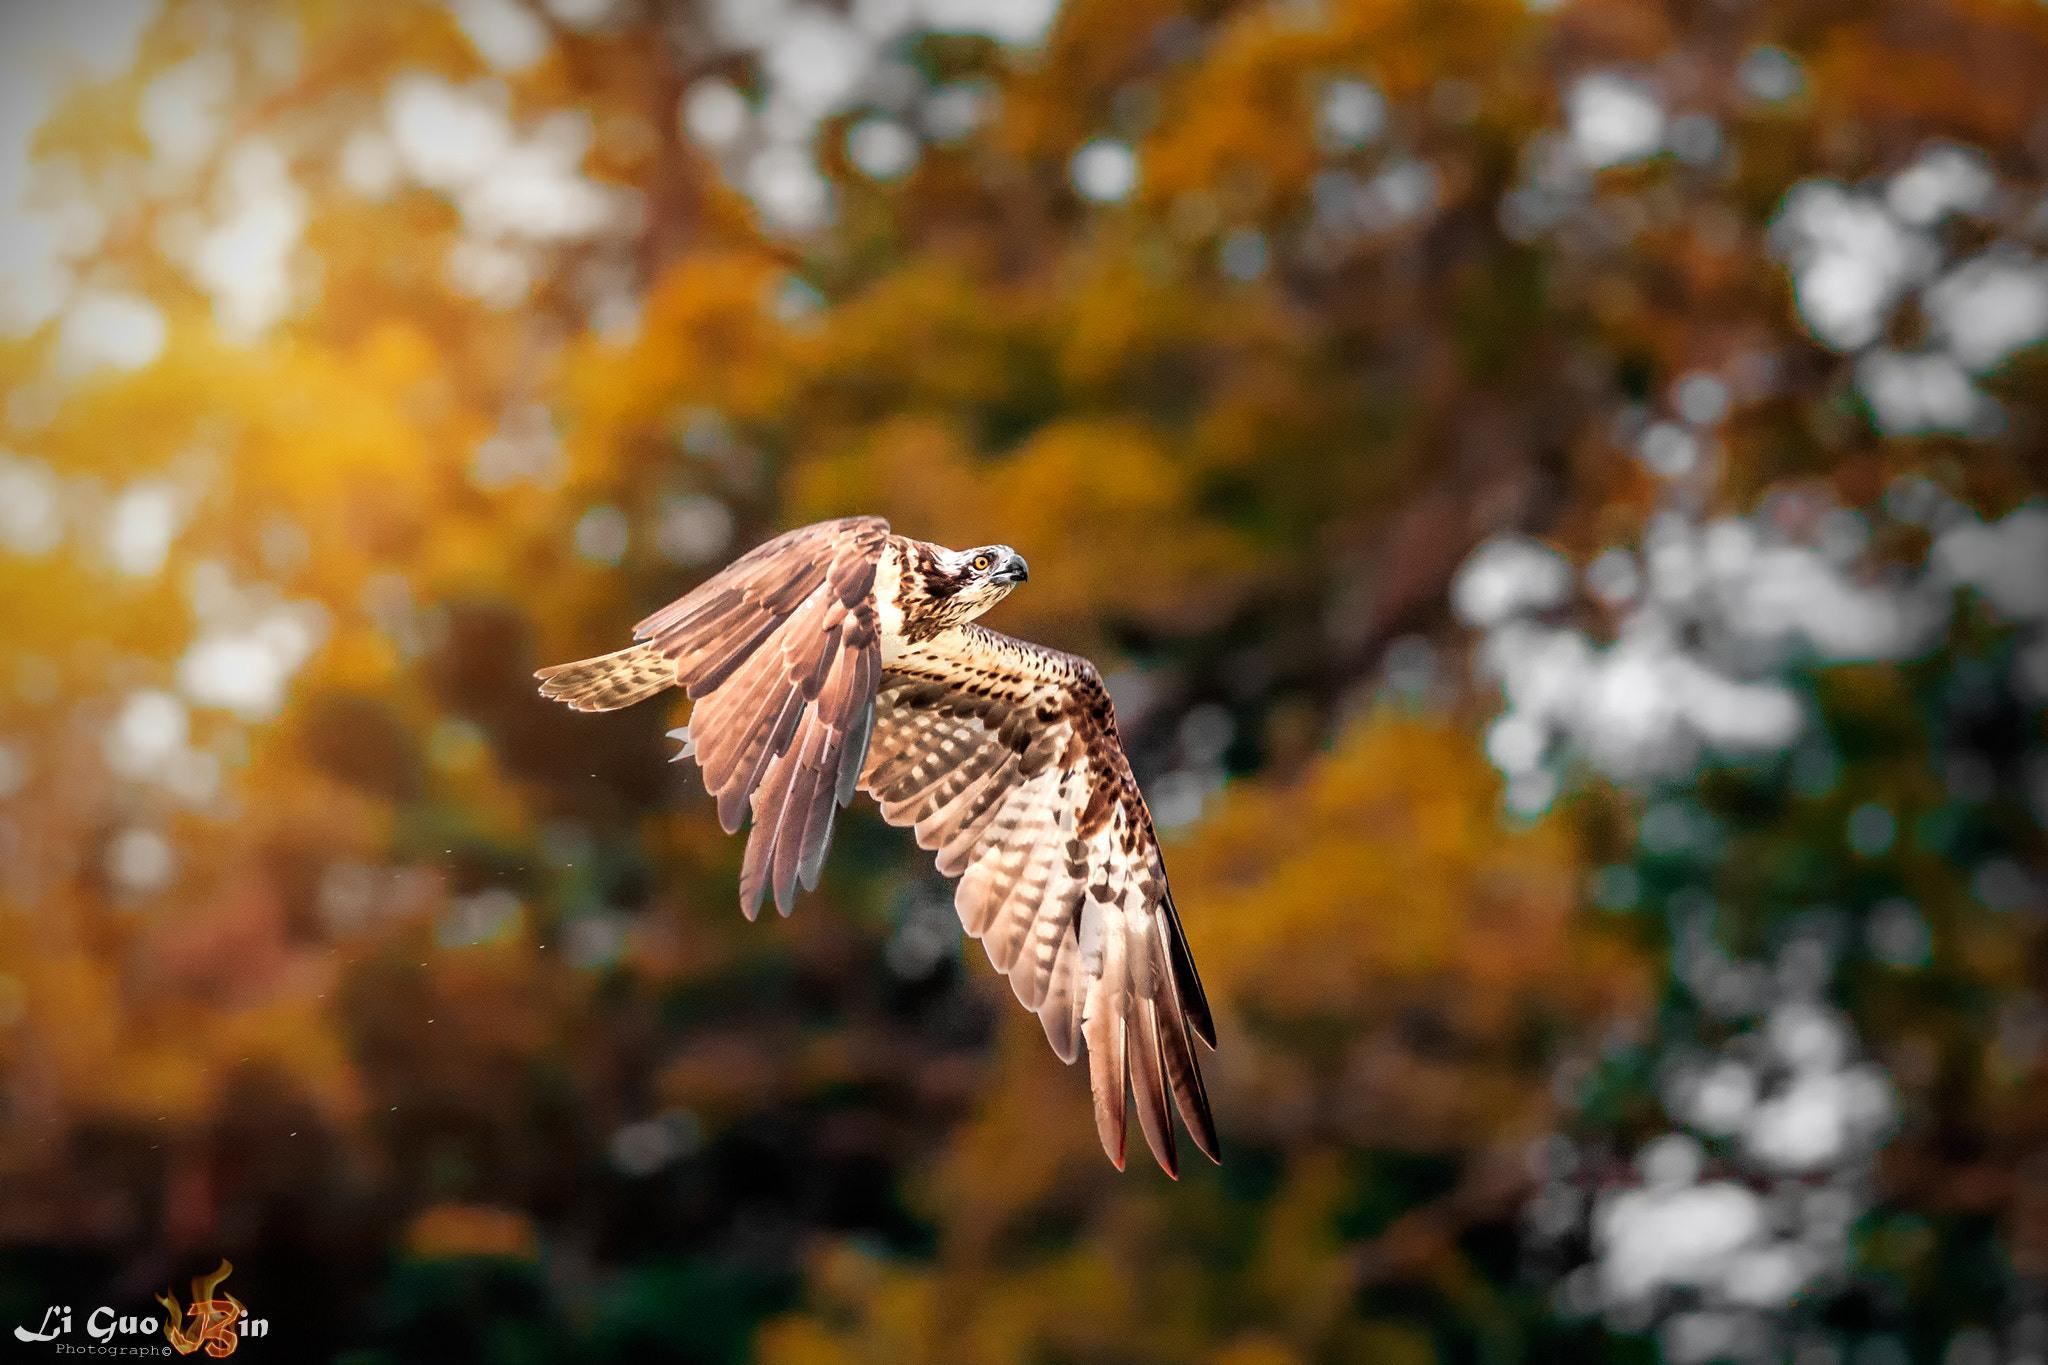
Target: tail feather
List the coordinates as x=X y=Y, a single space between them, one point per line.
x=609 y=681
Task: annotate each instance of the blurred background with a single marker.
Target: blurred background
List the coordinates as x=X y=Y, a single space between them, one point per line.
x=1557 y=489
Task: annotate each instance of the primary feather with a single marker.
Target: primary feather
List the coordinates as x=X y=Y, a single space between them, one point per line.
x=840 y=657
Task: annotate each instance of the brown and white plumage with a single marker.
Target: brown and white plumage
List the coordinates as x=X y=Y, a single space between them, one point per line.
x=839 y=656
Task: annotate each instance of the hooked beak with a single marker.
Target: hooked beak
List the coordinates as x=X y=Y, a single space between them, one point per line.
x=1013 y=570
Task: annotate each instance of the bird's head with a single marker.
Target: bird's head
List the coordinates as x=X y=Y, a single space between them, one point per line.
x=972 y=581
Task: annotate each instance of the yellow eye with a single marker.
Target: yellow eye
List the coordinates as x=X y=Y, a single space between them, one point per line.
x=980 y=563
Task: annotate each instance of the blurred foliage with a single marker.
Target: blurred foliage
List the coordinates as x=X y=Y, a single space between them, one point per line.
x=445 y=1029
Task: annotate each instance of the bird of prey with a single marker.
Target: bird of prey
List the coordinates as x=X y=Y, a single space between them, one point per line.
x=840 y=657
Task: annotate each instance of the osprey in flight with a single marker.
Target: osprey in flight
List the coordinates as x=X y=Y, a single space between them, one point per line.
x=839 y=657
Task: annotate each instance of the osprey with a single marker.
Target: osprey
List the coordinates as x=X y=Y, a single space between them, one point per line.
x=838 y=658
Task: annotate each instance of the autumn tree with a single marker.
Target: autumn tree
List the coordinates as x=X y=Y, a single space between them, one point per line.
x=361 y=358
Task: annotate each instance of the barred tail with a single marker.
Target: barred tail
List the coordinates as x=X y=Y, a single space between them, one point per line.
x=609 y=681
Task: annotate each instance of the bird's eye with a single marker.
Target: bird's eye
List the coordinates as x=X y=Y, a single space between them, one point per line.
x=981 y=563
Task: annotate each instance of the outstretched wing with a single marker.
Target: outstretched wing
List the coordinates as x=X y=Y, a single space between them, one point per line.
x=781 y=654
x=1004 y=758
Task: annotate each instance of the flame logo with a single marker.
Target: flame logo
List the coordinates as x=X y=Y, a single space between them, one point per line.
x=209 y=1322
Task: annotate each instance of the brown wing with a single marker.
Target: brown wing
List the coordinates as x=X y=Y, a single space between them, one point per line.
x=781 y=655
x=1004 y=758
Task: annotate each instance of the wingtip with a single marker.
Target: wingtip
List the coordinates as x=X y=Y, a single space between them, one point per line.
x=1112 y=1130
x=732 y=809
x=785 y=889
x=1203 y=1134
